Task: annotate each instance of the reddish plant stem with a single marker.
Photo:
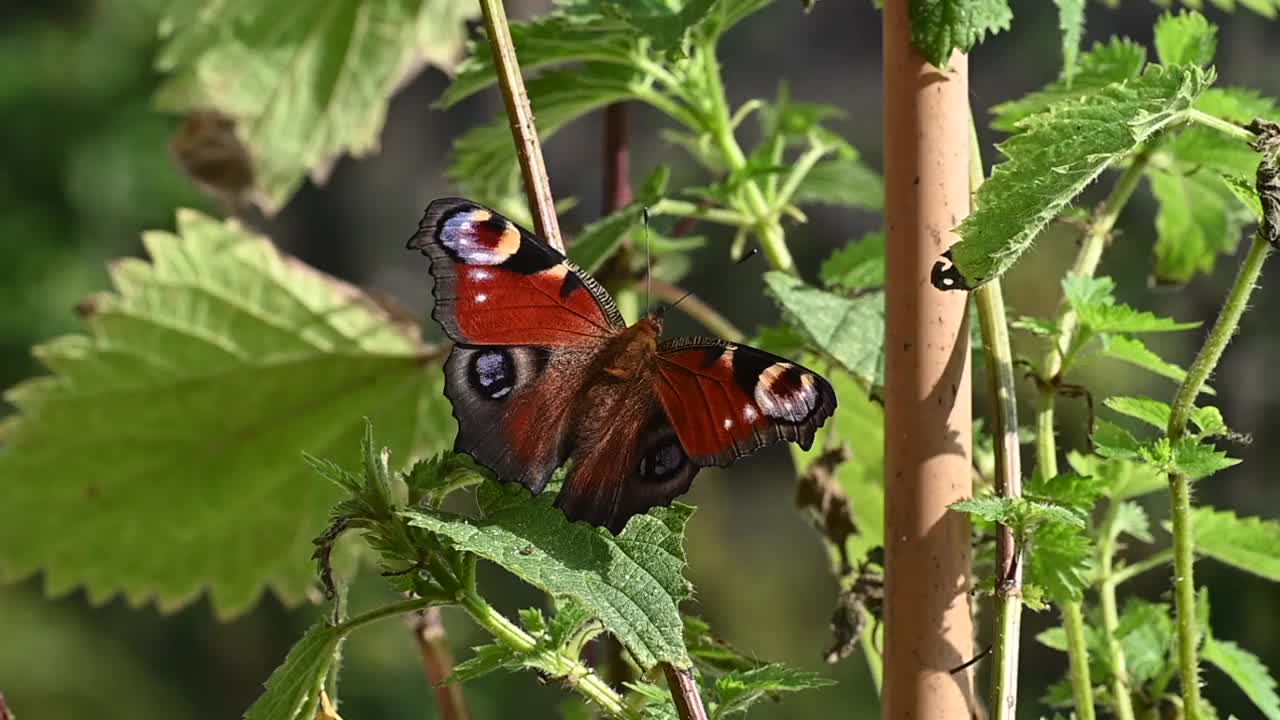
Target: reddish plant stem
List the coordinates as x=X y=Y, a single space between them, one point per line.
x=617 y=159
x=437 y=662
x=685 y=692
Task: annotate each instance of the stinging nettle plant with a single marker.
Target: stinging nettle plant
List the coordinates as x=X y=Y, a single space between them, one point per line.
x=323 y=369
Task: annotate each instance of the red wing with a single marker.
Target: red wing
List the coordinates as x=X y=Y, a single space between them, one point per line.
x=497 y=284
x=727 y=400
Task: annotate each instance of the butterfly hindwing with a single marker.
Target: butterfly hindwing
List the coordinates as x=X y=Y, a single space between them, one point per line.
x=498 y=284
x=727 y=400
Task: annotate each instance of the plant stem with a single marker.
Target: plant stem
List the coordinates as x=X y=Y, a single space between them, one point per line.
x=1180 y=484
x=1129 y=572
x=696 y=308
x=682 y=208
x=1052 y=367
x=685 y=693
x=1008 y=475
x=573 y=672
x=386 y=611
x=537 y=183
x=1223 y=126
x=1111 y=616
x=437 y=661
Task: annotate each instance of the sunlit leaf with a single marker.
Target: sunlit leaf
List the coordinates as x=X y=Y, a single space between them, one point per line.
x=1118 y=60
x=738 y=690
x=1248 y=543
x=1071 y=23
x=850 y=331
x=1185 y=38
x=1152 y=412
x=1092 y=299
x=940 y=26
x=177 y=423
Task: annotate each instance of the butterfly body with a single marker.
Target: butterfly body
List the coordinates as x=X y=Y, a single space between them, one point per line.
x=544 y=371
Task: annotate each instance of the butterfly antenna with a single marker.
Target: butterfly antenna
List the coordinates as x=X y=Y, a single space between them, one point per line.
x=750 y=254
x=648 y=265
x=682 y=297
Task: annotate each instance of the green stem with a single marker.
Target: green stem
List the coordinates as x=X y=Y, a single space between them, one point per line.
x=1008 y=474
x=1129 y=572
x=1111 y=616
x=1078 y=660
x=569 y=669
x=1225 y=127
x=681 y=208
x=1180 y=484
x=386 y=611
x=799 y=171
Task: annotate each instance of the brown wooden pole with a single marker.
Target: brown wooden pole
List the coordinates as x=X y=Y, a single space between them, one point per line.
x=928 y=627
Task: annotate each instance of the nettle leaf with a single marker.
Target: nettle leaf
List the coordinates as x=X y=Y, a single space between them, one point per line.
x=1060 y=560
x=484 y=660
x=203 y=378
x=1134 y=352
x=1185 y=38
x=857 y=266
x=1097 y=309
x=1039 y=327
x=1250 y=544
x=600 y=240
x=304 y=85
x=1058 y=153
x=1246 y=671
x=842 y=181
x=738 y=690
x=632 y=582
x=1022 y=514
x=1114 y=442
x=484 y=159
x=849 y=330
x=1071 y=23
x=1116 y=61
x=1145 y=633
x=1122 y=478
x=293 y=690
x=1132 y=520
x=1071 y=490
x=940 y=26
x=1208 y=421
x=1188 y=456
x=1199 y=219
x=1152 y=412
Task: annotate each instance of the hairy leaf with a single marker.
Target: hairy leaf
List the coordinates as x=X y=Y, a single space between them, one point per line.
x=1114 y=442
x=1132 y=520
x=203 y=379
x=1020 y=513
x=1247 y=672
x=1188 y=456
x=1152 y=412
x=484 y=660
x=1122 y=478
x=1071 y=490
x=1134 y=352
x=303 y=84
x=633 y=582
x=293 y=691
x=940 y=26
x=1187 y=38
x=850 y=331
x=1199 y=219
x=736 y=691
x=1250 y=544
x=1092 y=299
x=1145 y=633
x=1060 y=560
x=1071 y=23
x=857 y=266
x=1058 y=153
x=1119 y=60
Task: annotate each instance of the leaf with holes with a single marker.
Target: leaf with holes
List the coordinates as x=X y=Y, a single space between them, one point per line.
x=304 y=84
x=177 y=423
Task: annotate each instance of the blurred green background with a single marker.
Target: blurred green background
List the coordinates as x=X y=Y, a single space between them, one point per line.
x=86 y=169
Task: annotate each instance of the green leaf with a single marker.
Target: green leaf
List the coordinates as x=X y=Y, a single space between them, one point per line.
x=598 y=241
x=1119 y=60
x=1132 y=520
x=857 y=266
x=738 y=690
x=633 y=582
x=1039 y=327
x=1092 y=299
x=293 y=691
x=1020 y=513
x=304 y=85
x=1134 y=352
x=710 y=654
x=1246 y=671
x=1114 y=442
x=1250 y=544
x=1152 y=412
x=1060 y=560
x=841 y=181
x=851 y=331
x=1145 y=633
x=1077 y=492
x=940 y=26
x=484 y=163
x=1190 y=457
x=1058 y=153
x=484 y=660
x=1122 y=478
x=204 y=378
x=1071 y=23
x=1187 y=38
x=1199 y=219
x=1209 y=422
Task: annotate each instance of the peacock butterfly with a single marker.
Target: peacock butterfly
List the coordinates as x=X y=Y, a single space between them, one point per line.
x=545 y=370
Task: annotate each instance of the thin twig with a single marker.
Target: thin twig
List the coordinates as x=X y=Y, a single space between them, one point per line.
x=685 y=692
x=696 y=308
x=437 y=662
x=617 y=159
x=537 y=184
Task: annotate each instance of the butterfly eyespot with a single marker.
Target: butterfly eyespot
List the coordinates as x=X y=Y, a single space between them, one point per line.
x=492 y=373
x=786 y=393
x=663 y=460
